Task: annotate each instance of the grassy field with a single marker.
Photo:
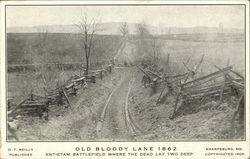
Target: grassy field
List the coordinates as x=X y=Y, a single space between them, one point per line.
x=57 y=48
x=20 y=85
x=216 y=53
x=26 y=48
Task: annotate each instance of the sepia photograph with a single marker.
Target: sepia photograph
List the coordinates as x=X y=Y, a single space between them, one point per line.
x=128 y=72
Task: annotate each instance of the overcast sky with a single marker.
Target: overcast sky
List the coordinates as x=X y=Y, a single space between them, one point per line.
x=230 y=16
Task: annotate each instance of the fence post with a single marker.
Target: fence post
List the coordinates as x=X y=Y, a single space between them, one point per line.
x=153 y=87
x=109 y=68
x=93 y=79
x=100 y=74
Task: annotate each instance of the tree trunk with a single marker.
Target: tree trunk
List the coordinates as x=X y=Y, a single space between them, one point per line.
x=87 y=66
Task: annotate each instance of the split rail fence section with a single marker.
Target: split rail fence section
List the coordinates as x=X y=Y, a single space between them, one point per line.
x=36 y=105
x=191 y=92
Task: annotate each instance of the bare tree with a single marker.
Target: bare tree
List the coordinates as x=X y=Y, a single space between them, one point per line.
x=154 y=49
x=148 y=43
x=45 y=74
x=41 y=58
x=41 y=47
x=87 y=29
x=124 y=29
x=156 y=46
x=143 y=45
x=143 y=31
x=37 y=52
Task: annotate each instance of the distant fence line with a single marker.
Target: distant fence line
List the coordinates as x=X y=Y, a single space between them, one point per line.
x=49 y=66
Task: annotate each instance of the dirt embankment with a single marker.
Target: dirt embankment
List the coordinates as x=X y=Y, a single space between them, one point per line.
x=75 y=123
x=155 y=119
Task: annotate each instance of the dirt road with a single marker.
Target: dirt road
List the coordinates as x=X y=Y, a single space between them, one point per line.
x=114 y=124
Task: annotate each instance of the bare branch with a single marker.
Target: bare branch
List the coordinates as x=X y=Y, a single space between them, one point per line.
x=199 y=64
x=186 y=66
x=124 y=29
x=87 y=29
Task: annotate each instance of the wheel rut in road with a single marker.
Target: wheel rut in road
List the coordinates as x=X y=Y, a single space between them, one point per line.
x=114 y=126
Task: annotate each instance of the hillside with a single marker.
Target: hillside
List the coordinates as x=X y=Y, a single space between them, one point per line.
x=113 y=28
x=60 y=47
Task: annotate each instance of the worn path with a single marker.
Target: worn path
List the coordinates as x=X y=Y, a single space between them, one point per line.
x=114 y=126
